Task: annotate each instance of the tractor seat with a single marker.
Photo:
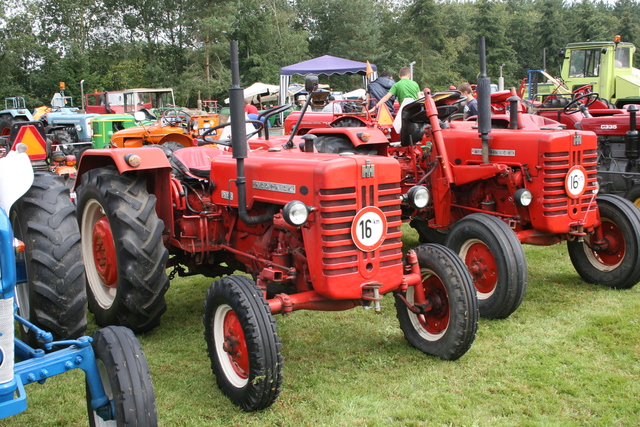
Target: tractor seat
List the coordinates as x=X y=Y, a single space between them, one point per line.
x=195 y=161
x=414 y=119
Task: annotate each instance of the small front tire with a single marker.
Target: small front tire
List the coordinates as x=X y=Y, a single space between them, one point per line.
x=242 y=342
x=617 y=265
x=449 y=328
x=125 y=377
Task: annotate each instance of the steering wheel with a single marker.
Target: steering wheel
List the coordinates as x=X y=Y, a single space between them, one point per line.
x=274 y=110
x=590 y=97
x=175 y=117
x=203 y=140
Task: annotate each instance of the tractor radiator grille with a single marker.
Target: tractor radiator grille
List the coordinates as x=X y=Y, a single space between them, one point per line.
x=338 y=207
x=555 y=167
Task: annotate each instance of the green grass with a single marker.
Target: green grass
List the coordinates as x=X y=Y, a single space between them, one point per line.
x=568 y=357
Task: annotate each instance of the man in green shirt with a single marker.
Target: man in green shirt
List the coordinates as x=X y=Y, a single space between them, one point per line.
x=403 y=88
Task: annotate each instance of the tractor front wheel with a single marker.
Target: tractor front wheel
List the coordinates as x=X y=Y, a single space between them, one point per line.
x=242 y=342
x=616 y=265
x=53 y=296
x=496 y=261
x=125 y=377
x=448 y=326
x=125 y=258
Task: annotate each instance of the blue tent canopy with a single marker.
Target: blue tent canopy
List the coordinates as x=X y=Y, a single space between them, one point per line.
x=327 y=65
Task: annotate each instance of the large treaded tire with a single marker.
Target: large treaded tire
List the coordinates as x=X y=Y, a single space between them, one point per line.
x=123 y=250
x=496 y=261
x=618 y=266
x=250 y=372
x=54 y=296
x=125 y=377
x=449 y=328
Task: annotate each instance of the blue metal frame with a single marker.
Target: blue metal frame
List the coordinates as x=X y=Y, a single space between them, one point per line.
x=35 y=365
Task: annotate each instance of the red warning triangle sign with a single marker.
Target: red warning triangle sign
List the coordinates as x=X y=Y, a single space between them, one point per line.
x=36 y=146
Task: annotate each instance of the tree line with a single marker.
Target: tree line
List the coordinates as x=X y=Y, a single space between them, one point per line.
x=184 y=44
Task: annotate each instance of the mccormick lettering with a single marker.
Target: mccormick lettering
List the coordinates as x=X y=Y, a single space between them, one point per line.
x=494 y=152
x=274 y=186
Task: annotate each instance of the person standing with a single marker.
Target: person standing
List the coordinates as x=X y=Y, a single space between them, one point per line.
x=471 y=104
x=402 y=89
x=378 y=88
x=249 y=108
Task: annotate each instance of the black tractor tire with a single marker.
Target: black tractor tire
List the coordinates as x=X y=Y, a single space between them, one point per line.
x=427 y=234
x=449 y=328
x=340 y=144
x=125 y=377
x=53 y=297
x=235 y=312
x=123 y=250
x=616 y=267
x=6 y=121
x=633 y=195
x=496 y=260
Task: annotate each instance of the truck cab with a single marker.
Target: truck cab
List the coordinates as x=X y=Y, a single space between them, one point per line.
x=606 y=66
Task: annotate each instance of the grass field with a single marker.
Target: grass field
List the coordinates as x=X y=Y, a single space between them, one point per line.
x=568 y=357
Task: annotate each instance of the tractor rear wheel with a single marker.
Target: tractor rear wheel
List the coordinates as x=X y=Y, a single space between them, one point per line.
x=616 y=265
x=242 y=342
x=54 y=296
x=496 y=261
x=125 y=377
x=448 y=328
x=340 y=144
x=427 y=234
x=122 y=246
x=6 y=121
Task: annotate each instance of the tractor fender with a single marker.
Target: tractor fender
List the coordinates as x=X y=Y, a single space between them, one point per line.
x=153 y=160
x=16 y=114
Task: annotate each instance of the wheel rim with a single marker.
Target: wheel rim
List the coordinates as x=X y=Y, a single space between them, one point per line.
x=98 y=245
x=104 y=377
x=432 y=325
x=482 y=266
x=610 y=258
x=231 y=346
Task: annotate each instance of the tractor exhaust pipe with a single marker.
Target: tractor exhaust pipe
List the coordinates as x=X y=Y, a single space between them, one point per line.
x=239 y=141
x=631 y=139
x=484 y=103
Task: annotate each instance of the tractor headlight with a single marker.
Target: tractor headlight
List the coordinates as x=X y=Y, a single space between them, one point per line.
x=295 y=213
x=78 y=128
x=417 y=196
x=597 y=189
x=132 y=160
x=523 y=197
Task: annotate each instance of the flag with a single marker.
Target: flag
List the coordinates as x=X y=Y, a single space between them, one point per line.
x=369 y=69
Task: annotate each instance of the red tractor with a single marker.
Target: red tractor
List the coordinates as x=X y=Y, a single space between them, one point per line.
x=618 y=140
x=500 y=181
x=313 y=231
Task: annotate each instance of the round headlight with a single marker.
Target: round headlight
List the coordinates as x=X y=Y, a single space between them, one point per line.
x=523 y=197
x=597 y=189
x=295 y=213
x=78 y=128
x=417 y=197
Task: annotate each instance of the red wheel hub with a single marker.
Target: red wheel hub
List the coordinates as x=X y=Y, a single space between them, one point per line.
x=483 y=268
x=437 y=319
x=616 y=247
x=104 y=253
x=235 y=345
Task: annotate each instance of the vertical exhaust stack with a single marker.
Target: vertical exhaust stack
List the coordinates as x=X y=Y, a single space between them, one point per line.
x=484 y=103
x=239 y=141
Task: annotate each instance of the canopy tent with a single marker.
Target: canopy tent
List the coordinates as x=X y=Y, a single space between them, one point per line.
x=258 y=92
x=327 y=65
